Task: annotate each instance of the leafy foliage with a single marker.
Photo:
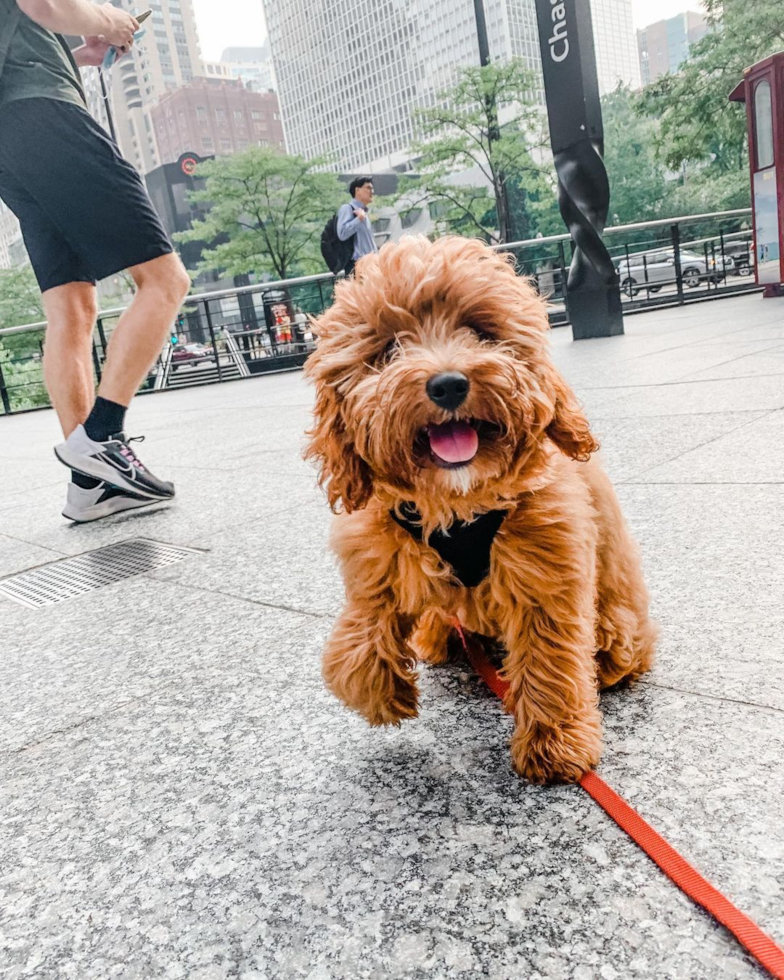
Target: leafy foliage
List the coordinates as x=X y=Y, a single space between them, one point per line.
x=20 y=300
x=265 y=213
x=639 y=189
x=20 y=354
x=697 y=123
x=489 y=124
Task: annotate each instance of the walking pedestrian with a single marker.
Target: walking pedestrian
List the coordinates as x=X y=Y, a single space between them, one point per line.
x=85 y=215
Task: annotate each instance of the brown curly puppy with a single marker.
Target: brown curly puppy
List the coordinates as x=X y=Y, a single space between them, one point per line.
x=460 y=463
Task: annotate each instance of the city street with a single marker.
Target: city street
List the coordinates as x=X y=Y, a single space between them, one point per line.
x=182 y=798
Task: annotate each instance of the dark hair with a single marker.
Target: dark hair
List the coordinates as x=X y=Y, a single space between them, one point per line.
x=358 y=182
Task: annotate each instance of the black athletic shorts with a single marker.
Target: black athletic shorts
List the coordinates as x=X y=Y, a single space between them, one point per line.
x=84 y=210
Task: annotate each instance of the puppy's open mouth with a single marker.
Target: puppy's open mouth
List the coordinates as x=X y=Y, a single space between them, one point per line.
x=451 y=444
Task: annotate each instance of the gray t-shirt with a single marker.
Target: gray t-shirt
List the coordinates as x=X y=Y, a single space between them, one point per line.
x=34 y=62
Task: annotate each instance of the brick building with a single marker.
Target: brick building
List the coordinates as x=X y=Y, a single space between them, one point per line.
x=664 y=46
x=215 y=116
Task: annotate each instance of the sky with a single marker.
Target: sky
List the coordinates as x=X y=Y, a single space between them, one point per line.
x=647 y=12
x=231 y=23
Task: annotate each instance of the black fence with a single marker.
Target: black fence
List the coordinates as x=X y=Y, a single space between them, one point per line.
x=659 y=263
x=219 y=336
x=224 y=336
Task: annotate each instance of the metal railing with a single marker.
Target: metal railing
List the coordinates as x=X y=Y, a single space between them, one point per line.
x=164 y=365
x=235 y=354
x=709 y=255
x=237 y=333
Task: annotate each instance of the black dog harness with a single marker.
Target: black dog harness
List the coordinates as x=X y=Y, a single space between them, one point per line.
x=466 y=548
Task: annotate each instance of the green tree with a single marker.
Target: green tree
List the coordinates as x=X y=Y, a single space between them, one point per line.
x=701 y=190
x=23 y=377
x=20 y=299
x=20 y=354
x=462 y=133
x=697 y=123
x=639 y=190
x=265 y=213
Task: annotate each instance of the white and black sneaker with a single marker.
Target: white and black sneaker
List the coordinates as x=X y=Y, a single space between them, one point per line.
x=83 y=506
x=112 y=462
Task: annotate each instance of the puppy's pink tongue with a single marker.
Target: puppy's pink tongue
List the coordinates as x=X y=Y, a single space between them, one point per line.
x=454 y=442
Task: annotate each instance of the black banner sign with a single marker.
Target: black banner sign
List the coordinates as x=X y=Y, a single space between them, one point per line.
x=569 y=69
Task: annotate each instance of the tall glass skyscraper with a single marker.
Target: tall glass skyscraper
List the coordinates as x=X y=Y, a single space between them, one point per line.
x=165 y=59
x=350 y=72
x=616 y=44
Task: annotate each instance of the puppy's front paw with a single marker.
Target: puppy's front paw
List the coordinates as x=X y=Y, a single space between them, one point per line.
x=430 y=645
x=558 y=753
x=382 y=693
x=394 y=698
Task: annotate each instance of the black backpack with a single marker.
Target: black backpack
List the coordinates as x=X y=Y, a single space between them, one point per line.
x=337 y=254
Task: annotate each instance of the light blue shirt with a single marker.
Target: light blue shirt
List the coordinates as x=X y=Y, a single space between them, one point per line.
x=349 y=224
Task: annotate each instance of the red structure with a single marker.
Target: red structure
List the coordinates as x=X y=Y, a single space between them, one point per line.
x=217 y=117
x=762 y=89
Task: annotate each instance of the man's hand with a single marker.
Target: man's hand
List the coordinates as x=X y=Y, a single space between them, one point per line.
x=120 y=26
x=360 y=213
x=91 y=53
x=83 y=18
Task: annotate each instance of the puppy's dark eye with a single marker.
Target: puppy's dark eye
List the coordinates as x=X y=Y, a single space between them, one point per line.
x=481 y=331
x=385 y=356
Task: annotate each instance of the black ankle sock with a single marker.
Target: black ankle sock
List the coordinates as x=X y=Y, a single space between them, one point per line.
x=106 y=419
x=85 y=482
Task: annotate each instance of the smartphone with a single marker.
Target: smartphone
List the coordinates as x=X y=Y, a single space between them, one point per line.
x=142 y=17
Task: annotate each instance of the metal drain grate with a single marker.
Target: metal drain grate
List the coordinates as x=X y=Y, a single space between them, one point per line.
x=67 y=578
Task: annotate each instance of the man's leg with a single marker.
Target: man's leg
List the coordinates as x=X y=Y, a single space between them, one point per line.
x=162 y=285
x=70 y=312
x=98 y=448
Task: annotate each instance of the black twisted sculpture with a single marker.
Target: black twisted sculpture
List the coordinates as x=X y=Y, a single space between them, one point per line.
x=577 y=139
x=584 y=200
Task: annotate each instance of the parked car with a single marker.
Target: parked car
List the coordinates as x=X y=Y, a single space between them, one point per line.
x=191 y=354
x=740 y=254
x=658 y=269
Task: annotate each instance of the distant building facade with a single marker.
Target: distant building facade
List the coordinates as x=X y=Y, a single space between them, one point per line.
x=12 y=248
x=215 y=117
x=252 y=66
x=351 y=73
x=167 y=57
x=664 y=46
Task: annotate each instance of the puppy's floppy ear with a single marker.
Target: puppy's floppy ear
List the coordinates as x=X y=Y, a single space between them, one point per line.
x=569 y=428
x=343 y=474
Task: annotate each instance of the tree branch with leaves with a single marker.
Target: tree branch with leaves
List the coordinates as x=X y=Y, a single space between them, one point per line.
x=265 y=212
x=488 y=123
x=697 y=125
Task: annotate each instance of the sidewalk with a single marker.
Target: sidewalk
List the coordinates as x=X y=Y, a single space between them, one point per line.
x=181 y=798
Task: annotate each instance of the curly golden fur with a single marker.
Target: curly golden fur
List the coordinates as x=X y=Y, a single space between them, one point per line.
x=565 y=596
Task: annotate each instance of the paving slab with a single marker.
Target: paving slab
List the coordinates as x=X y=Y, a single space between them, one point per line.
x=84 y=658
x=634 y=448
x=749 y=451
x=282 y=560
x=17 y=555
x=244 y=824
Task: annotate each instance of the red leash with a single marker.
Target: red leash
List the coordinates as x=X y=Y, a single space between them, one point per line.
x=678 y=870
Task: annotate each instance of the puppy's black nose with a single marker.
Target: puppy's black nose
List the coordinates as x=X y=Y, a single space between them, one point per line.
x=448 y=390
